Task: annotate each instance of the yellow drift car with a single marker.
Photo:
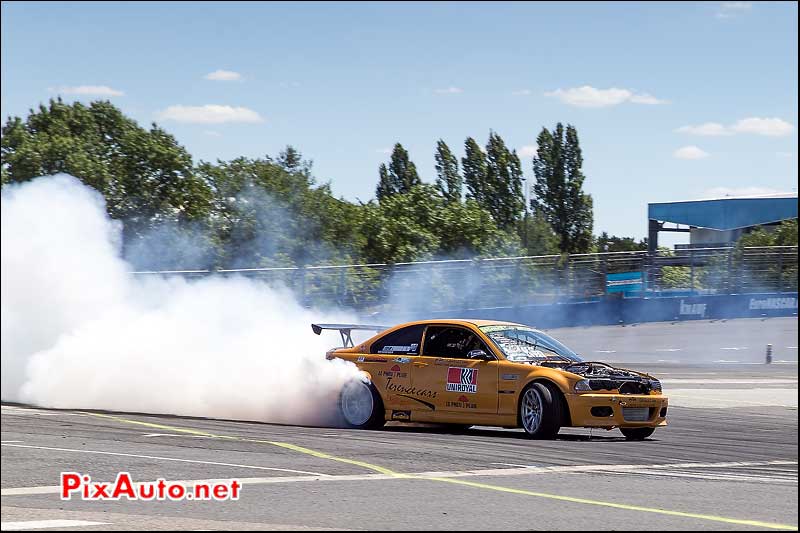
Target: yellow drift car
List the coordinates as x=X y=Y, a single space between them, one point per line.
x=489 y=373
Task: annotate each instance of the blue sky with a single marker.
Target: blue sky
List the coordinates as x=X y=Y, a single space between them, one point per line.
x=672 y=101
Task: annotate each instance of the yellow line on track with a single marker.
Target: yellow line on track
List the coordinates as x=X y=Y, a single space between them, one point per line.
x=485 y=486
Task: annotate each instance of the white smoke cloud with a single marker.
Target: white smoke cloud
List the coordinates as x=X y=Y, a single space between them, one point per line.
x=78 y=331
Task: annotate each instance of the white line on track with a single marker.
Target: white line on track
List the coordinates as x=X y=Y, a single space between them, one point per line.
x=167 y=459
x=44 y=524
x=572 y=469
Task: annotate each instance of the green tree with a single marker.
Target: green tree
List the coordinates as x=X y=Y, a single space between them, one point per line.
x=400 y=176
x=385 y=186
x=401 y=227
x=538 y=237
x=145 y=175
x=558 y=190
x=421 y=224
x=473 y=165
x=268 y=215
x=785 y=234
x=606 y=243
x=503 y=196
x=448 y=180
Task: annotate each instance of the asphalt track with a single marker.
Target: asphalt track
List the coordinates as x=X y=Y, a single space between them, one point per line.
x=728 y=460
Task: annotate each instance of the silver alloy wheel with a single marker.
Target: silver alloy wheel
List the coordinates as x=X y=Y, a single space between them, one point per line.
x=531 y=410
x=357 y=403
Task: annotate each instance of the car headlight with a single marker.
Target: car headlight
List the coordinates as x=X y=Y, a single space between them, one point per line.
x=582 y=386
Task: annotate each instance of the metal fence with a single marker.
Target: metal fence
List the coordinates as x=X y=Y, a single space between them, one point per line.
x=516 y=281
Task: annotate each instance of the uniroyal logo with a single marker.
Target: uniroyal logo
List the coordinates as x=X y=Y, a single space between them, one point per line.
x=462 y=380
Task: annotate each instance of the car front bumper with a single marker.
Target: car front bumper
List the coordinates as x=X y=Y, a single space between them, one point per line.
x=617 y=410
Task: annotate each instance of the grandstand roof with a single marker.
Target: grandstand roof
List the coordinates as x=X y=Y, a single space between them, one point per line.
x=727 y=213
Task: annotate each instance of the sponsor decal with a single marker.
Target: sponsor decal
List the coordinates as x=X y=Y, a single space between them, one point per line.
x=426 y=404
x=462 y=380
x=393 y=372
x=401 y=415
x=410 y=348
x=693 y=309
x=450 y=362
x=363 y=359
x=402 y=360
x=773 y=303
x=462 y=403
x=510 y=377
x=408 y=391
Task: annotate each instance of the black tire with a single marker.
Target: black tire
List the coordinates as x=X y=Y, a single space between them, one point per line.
x=637 y=433
x=548 y=422
x=363 y=416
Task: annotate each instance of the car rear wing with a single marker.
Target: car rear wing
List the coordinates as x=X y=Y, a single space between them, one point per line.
x=345 y=329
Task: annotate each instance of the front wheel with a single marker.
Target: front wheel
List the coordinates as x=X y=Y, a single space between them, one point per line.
x=637 y=433
x=360 y=405
x=540 y=411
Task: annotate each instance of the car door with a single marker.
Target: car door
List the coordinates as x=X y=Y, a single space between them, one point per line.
x=389 y=363
x=459 y=368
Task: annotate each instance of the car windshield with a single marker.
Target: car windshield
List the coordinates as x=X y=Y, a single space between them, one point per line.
x=523 y=344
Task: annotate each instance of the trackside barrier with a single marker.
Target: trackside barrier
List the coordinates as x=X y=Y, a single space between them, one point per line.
x=634 y=310
x=552 y=290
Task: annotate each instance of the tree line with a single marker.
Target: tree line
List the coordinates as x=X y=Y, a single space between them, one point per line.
x=271 y=211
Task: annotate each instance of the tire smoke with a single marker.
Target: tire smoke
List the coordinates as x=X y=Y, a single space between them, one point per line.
x=78 y=331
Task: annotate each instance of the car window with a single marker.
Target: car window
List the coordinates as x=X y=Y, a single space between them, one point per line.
x=404 y=341
x=452 y=342
x=520 y=343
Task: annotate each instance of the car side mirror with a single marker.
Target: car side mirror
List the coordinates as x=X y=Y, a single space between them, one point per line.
x=478 y=354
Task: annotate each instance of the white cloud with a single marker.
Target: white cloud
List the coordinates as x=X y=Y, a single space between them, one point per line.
x=385 y=151
x=527 y=151
x=689 y=152
x=522 y=92
x=787 y=155
x=450 y=90
x=731 y=9
x=209 y=114
x=588 y=96
x=647 y=99
x=212 y=133
x=719 y=192
x=707 y=129
x=89 y=90
x=772 y=127
x=223 y=75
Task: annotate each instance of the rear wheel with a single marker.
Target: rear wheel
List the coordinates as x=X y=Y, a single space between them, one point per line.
x=637 y=433
x=360 y=405
x=540 y=411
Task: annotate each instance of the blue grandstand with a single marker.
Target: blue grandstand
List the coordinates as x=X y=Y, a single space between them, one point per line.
x=719 y=221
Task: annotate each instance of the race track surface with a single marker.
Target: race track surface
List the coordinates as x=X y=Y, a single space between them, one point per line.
x=728 y=460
